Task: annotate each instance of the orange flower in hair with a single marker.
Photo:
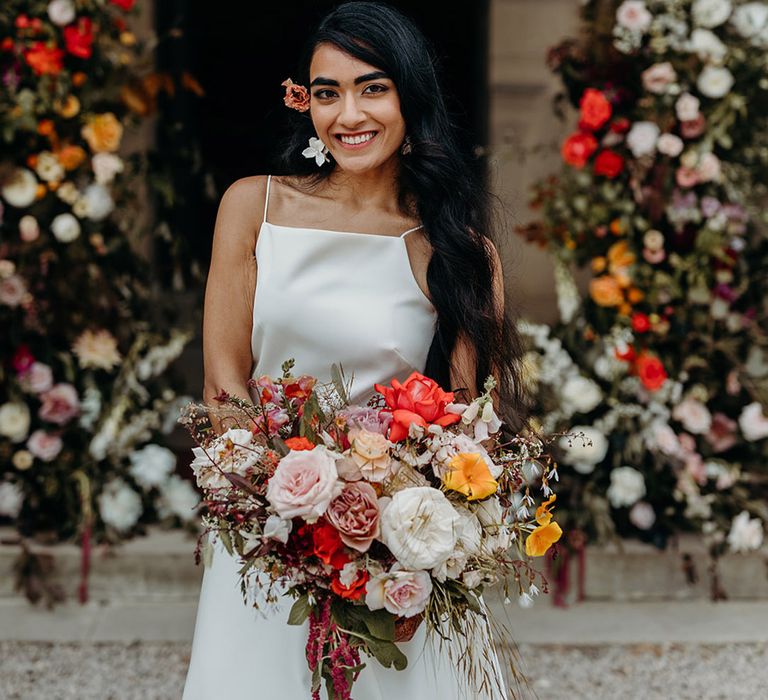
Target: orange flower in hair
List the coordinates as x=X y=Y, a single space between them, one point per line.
x=296 y=96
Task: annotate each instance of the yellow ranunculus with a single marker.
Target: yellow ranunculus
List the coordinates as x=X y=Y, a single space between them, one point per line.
x=471 y=476
x=103 y=133
x=541 y=539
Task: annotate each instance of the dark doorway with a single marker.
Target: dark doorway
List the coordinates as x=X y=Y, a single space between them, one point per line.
x=241 y=50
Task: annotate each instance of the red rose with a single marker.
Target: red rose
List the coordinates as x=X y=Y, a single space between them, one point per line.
x=355 y=590
x=327 y=545
x=299 y=443
x=650 y=370
x=620 y=125
x=78 y=38
x=595 y=109
x=608 y=163
x=44 y=60
x=418 y=400
x=22 y=359
x=577 y=149
x=640 y=322
x=627 y=355
x=126 y=5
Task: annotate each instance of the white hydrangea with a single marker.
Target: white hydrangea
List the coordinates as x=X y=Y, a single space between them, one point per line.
x=152 y=465
x=119 y=505
x=178 y=498
x=627 y=487
x=746 y=533
x=584 y=451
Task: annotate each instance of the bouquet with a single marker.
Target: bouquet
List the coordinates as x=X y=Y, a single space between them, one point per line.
x=375 y=518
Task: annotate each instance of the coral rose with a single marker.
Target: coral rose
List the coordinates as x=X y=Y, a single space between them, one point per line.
x=44 y=60
x=606 y=291
x=595 y=109
x=418 y=400
x=103 y=132
x=578 y=148
x=355 y=514
x=352 y=591
x=296 y=96
x=650 y=370
x=608 y=163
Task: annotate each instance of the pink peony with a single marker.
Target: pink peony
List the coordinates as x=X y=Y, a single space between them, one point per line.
x=355 y=514
x=60 y=404
x=37 y=379
x=44 y=446
x=304 y=484
x=403 y=593
x=722 y=433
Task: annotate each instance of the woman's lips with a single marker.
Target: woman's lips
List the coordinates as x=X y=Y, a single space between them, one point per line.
x=356 y=146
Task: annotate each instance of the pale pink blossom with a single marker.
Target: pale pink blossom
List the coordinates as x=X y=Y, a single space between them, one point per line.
x=686 y=177
x=670 y=145
x=304 y=484
x=59 y=404
x=642 y=515
x=37 y=379
x=694 y=415
x=402 y=593
x=708 y=168
x=659 y=77
x=369 y=419
x=12 y=290
x=722 y=433
x=634 y=15
x=753 y=422
x=355 y=514
x=44 y=446
x=687 y=107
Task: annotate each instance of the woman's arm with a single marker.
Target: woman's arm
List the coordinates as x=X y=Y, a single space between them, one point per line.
x=229 y=292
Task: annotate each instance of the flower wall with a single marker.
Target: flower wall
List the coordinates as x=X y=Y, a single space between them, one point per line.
x=83 y=391
x=662 y=362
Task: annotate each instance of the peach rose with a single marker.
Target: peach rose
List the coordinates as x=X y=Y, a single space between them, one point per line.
x=606 y=291
x=103 y=132
x=296 y=96
x=355 y=514
x=370 y=452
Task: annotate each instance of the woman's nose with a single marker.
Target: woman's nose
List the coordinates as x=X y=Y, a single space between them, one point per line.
x=351 y=114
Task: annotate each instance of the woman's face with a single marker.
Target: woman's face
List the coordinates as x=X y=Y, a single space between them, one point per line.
x=355 y=109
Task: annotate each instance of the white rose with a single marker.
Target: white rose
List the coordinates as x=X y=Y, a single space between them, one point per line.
x=670 y=145
x=242 y=457
x=152 y=465
x=98 y=202
x=419 y=526
x=642 y=515
x=627 y=487
x=661 y=437
x=65 y=227
x=177 y=497
x=14 y=421
x=642 y=138
x=694 y=416
x=106 y=166
x=11 y=499
x=402 y=593
x=468 y=537
x=20 y=190
x=710 y=13
x=750 y=19
x=752 y=421
x=580 y=394
x=634 y=15
x=119 y=505
x=746 y=533
x=687 y=107
x=714 y=81
x=584 y=453
x=48 y=167
x=707 y=46
x=61 y=12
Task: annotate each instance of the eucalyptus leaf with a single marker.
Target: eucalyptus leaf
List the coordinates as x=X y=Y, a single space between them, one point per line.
x=226 y=540
x=300 y=611
x=387 y=653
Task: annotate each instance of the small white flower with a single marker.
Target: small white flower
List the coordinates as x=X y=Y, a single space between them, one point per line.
x=642 y=515
x=753 y=422
x=710 y=13
x=119 y=505
x=20 y=189
x=276 y=528
x=152 y=465
x=29 y=229
x=642 y=138
x=580 y=394
x=98 y=202
x=670 y=145
x=177 y=497
x=626 y=488
x=65 y=227
x=687 y=107
x=746 y=533
x=48 y=167
x=11 y=499
x=707 y=46
x=14 y=421
x=106 y=166
x=694 y=416
x=61 y=12
x=317 y=150
x=584 y=453
x=750 y=19
x=715 y=81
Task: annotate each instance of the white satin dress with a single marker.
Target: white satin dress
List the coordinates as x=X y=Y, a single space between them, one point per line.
x=322 y=297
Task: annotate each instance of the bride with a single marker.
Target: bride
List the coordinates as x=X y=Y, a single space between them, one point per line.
x=374 y=253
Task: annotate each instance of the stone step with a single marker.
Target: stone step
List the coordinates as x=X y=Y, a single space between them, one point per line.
x=161 y=567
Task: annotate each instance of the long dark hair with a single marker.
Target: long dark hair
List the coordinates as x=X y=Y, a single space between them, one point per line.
x=450 y=199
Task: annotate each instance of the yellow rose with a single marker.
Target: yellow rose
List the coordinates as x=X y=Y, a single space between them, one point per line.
x=103 y=133
x=606 y=291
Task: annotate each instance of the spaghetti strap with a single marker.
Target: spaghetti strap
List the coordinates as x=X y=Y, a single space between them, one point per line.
x=411 y=230
x=266 y=198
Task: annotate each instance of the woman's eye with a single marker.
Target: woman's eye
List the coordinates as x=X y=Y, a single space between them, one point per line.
x=323 y=94
x=375 y=88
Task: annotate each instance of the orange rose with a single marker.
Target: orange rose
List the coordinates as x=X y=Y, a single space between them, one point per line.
x=71 y=156
x=605 y=291
x=355 y=590
x=299 y=443
x=44 y=60
x=650 y=370
x=418 y=400
x=620 y=256
x=103 y=132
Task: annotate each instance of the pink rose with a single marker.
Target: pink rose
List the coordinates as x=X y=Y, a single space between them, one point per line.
x=686 y=177
x=694 y=416
x=694 y=128
x=687 y=107
x=44 y=446
x=304 y=484
x=370 y=419
x=708 y=168
x=60 y=404
x=355 y=514
x=634 y=15
x=403 y=593
x=658 y=77
x=37 y=379
x=722 y=433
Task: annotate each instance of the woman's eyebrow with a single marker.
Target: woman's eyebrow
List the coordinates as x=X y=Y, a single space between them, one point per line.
x=375 y=75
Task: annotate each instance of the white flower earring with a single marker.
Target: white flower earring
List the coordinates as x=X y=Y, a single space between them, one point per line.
x=407 y=146
x=317 y=150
